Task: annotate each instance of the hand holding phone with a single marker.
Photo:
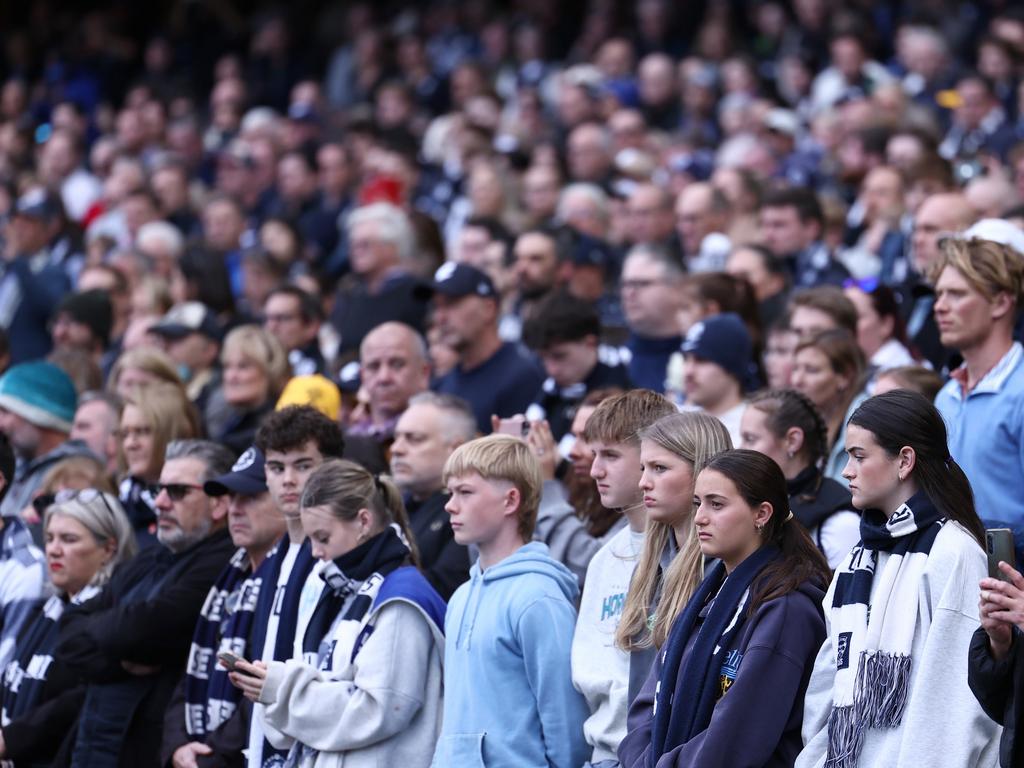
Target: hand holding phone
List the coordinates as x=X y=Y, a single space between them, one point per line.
x=229 y=659
x=517 y=426
x=999 y=547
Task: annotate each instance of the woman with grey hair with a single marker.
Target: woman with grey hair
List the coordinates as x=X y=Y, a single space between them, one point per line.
x=87 y=537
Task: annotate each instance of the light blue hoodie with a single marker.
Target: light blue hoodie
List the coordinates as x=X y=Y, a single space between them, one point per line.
x=509 y=701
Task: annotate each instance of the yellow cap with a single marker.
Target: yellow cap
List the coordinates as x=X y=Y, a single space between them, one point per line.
x=316 y=390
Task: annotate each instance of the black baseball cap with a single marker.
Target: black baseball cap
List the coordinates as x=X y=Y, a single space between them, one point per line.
x=188 y=317
x=246 y=477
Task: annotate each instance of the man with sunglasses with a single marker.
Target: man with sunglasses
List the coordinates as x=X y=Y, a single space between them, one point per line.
x=207 y=716
x=131 y=642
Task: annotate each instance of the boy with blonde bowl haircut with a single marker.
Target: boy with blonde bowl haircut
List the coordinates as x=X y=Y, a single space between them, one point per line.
x=600 y=669
x=509 y=628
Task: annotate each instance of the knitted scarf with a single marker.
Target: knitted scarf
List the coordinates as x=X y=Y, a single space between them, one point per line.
x=344 y=577
x=25 y=676
x=686 y=694
x=873 y=635
x=224 y=624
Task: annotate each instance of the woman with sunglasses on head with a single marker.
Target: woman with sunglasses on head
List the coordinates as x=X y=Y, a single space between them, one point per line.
x=87 y=535
x=727 y=687
x=153 y=416
x=368 y=688
x=881 y=332
x=889 y=685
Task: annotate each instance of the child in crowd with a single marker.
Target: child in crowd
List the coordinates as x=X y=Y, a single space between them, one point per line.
x=509 y=700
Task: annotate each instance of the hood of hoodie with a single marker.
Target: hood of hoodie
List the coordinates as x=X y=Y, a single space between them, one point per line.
x=532 y=558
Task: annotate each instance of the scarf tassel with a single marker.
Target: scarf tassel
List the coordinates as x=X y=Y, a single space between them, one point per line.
x=882 y=688
x=845 y=737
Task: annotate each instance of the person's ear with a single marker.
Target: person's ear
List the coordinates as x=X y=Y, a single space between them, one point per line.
x=219 y=508
x=763 y=514
x=1002 y=305
x=793 y=441
x=512 y=500
x=906 y=461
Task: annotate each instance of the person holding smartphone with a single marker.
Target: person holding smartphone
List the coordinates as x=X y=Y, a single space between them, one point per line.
x=346 y=701
x=889 y=685
x=995 y=665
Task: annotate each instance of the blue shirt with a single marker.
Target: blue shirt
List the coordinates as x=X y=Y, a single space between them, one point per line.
x=986 y=438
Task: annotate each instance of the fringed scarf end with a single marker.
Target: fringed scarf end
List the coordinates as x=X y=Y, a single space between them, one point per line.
x=845 y=738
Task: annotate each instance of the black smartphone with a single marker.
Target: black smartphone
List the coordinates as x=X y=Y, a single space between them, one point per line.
x=999 y=546
x=229 y=659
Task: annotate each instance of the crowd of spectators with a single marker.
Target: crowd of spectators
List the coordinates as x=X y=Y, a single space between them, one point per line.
x=245 y=247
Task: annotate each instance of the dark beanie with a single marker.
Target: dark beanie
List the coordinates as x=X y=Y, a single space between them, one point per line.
x=90 y=308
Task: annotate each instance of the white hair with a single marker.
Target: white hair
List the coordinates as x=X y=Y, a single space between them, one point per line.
x=591 y=192
x=162 y=232
x=393 y=226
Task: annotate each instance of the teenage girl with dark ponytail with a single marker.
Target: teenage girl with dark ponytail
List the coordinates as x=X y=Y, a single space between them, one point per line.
x=784 y=425
x=727 y=688
x=889 y=686
x=368 y=689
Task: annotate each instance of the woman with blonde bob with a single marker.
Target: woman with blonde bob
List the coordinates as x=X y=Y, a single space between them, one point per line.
x=140 y=366
x=672 y=451
x=255 y=370
x=347 y=702
x=153 y=416
x=87 y=537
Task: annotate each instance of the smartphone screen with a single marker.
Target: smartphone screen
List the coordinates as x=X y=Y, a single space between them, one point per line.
x=229 y=659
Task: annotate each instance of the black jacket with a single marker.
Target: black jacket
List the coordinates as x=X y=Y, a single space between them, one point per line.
x=444 y=562
x=814 y=498
x=227 y=741
x=145 y=616
x=559 y=404
x=998 y=686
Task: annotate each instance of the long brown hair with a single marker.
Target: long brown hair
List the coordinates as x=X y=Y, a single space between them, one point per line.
x=759 y=479
x=694 y=437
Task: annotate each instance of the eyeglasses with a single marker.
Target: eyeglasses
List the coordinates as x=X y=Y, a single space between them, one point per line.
x=177 y=491
x=86 y=496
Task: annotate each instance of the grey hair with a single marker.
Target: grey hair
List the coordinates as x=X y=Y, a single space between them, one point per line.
x=460 y=423
x=215 y=457
x=393 y=226
x=591 y=192
x=112 y=400
x=670 y=264
x=166 y=233
x=106 y=520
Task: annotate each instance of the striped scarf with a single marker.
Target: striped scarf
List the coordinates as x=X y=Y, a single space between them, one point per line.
x=224 y=624
x=873 y=638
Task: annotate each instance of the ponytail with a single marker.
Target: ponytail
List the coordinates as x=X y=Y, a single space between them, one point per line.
x=392 y=503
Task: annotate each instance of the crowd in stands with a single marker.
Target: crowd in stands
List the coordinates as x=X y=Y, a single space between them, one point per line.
x=500 y=383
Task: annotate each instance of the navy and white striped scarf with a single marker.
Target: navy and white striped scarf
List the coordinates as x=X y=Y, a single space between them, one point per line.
x=224 y=624
x=26 y=673
x=873 y=640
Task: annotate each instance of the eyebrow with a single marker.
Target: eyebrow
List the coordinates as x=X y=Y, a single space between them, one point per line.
x=851 y=448
x=712 y=496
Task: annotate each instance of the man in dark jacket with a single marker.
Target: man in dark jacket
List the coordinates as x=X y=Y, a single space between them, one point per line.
x=131 y=642
x=207 y=722
x=426 y=434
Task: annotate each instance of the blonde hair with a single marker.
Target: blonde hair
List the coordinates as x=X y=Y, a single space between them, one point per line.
x=104 y=518
x=262 y=348
x=694 y=437
x=168 y=412
x=84 y=471
x=149 y=359
x=345 y=487
x=502 y=458
x=990 y=268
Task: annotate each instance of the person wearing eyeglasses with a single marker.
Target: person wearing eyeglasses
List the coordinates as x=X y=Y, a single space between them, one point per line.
x=131 y=642
x=88 y=537
x=206 y=716
x=153 y=415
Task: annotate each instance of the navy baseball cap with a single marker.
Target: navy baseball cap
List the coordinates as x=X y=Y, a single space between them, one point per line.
x=724 y=340
x=37 y=203
x=246 y=477
x=457 y=280
x=188 y=317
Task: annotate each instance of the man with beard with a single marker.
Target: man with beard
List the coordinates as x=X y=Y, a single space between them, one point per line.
x=495 y=377
x=538 y=267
